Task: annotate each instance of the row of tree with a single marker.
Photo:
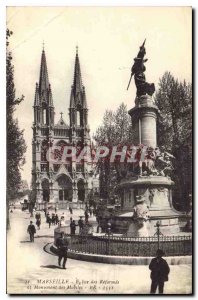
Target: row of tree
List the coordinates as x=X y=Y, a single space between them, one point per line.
x=174 y=131
x=174 y=128
x=16 y=146
x=116 y=129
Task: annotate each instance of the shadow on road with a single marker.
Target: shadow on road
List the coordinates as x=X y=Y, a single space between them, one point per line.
x=43 y=236
x=25 y=242
x=51 y=267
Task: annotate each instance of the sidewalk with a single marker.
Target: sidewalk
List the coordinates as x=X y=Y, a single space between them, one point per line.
x=31 y=270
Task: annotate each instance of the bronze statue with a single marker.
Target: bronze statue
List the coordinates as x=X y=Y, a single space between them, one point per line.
x=138 y=70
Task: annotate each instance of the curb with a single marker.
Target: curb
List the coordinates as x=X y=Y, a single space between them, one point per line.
x=122 y=260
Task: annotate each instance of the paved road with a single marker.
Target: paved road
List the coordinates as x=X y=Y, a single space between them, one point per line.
x=31 y=270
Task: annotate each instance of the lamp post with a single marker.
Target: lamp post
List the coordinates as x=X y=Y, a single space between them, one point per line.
x=158 y=233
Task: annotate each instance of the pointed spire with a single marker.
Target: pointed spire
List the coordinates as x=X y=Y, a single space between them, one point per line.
x=36 y=98
x=77 y=89
x=77 y=84
x=43 y=81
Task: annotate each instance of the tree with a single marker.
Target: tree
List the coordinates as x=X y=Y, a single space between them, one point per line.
x=174 y=99
x=116 y=129
x=16 y=146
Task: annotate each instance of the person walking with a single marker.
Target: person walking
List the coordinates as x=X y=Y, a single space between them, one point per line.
x=73 y=227
x=62 y=221
x=47 y=216
x=90 y=211
x=80 y=224
x=45 y=211
x=38 y=223
x=31 y=230
x=62 y=245
x=53 y=219
x=159 y=272
x=56 y=219
x=49 y=220
x=38 y=220
x=86 y=216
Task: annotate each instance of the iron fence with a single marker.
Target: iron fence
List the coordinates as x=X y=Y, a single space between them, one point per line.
x=130 y=246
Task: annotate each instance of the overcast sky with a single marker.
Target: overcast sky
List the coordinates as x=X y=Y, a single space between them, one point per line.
x=108 y=40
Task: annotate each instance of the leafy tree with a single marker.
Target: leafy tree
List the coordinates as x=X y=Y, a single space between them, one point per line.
x=174 y=99
x=15 y=142
x=115 y=129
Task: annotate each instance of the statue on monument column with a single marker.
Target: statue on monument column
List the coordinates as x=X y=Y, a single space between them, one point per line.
x=138 y=70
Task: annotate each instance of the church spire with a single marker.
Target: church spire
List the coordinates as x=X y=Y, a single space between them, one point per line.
x=78 y=110
x=78 y=90
x=43 y=81
x=77 y=83
x=43 y=101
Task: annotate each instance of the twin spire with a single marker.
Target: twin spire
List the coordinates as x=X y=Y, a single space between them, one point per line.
x=44 y=80
x=78 y=97
x=43 y=89
x=43 y=93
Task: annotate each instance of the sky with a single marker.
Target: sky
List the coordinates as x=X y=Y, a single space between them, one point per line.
x=108 y=39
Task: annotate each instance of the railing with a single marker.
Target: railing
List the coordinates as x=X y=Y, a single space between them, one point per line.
x=133 y=246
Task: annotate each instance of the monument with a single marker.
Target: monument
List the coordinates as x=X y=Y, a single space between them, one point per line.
x=145 y=188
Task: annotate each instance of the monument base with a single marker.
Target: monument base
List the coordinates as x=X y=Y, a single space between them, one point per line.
x=139 y=218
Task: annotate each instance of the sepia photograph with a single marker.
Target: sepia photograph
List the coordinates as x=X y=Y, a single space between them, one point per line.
x=99 y=150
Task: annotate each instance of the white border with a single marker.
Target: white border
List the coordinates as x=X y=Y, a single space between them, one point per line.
x=3 y=5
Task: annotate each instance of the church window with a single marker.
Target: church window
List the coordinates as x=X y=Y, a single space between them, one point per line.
x=44 y=116
x=78 y=118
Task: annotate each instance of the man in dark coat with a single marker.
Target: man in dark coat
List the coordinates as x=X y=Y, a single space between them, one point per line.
x=47 y=216
x=86 y=216
x=80 y=224
x=31 y=230
x=38 y=223
x=53 y=219
x=159 y=272
x=62 y=245
x=49 y=220
x=73 y=227
x=56 y=219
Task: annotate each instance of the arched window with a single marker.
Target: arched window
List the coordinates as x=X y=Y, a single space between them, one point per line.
x=78 y=118
x=44 y=116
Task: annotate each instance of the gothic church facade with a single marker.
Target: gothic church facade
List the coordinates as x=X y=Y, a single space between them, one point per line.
x=60 y=181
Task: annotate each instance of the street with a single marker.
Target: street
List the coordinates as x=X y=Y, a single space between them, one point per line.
x=31 y=270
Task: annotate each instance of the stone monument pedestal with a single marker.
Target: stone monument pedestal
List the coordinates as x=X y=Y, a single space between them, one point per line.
x=156 y=194
x=145 y=198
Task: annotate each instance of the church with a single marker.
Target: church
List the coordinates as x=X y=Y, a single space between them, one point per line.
x=55 y=181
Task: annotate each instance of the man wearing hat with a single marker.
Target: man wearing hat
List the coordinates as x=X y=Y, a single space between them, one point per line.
x=62 y=245
x=31 y=230
x=159 y=272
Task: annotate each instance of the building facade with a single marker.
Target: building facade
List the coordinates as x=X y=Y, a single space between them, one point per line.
x=55 y=180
